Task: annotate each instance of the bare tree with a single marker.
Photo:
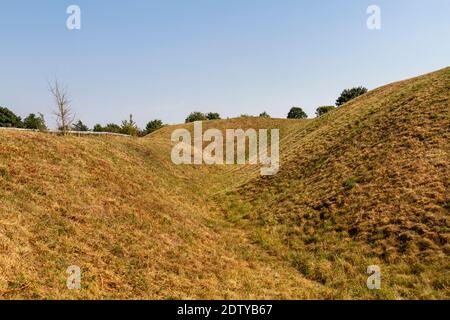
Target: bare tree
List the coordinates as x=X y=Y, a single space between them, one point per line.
x=63 y=112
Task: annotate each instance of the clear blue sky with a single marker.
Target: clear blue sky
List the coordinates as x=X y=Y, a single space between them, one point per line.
x=163 y=59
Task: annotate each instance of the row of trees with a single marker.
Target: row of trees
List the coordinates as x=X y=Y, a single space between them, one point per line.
x=199 y=116
x=32 y=121
x=298 y=113
x=65 y=117
x=346 y=96
x=8 y=119
x=130 y=127
x=294 y=113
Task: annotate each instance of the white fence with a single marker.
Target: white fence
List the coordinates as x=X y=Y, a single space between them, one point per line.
x=76 y=133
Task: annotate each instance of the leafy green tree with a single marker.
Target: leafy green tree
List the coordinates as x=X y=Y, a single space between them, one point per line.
x=349 y=94
x=110 y=127
x=213 y=116
x=320 y=111
x=113 y=128
x=196 y=116
x=129 y=127
x=98 y=128
x=80 y=126
x=35 y=122
x=152 y=126
x=9 y=119
x=264 y=115
x=297 y=113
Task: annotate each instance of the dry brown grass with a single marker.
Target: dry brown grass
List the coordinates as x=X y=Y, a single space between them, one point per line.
x=366 y=184
x=138 y=226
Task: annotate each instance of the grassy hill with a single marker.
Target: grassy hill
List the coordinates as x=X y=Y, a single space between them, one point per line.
x=365 y=184
x=138 y=226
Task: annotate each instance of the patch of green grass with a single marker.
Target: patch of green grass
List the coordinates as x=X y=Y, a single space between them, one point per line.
x=17 y=283
x=350 y=183
x=4 y=173
x=237 y=211
x=260 y=238
x=117 y=250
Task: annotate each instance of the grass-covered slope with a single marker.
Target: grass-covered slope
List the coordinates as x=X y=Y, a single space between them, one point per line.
x=366 y=184
x=138 y=226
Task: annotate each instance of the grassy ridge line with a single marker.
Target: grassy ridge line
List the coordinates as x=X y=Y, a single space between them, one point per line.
x=138 y=226
x=77 y=133
x=227 y=177
x=365 y=184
